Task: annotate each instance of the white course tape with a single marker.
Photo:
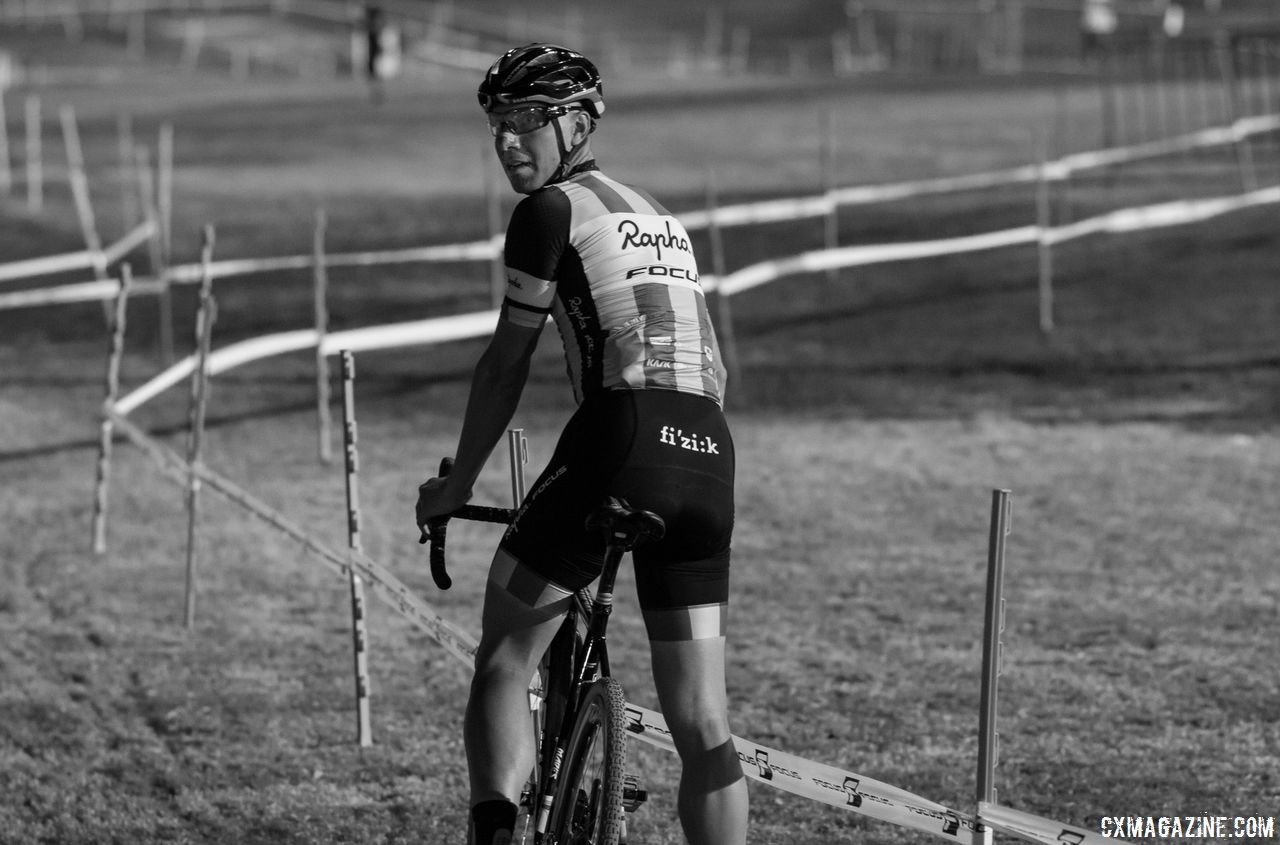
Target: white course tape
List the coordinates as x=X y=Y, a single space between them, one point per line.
x=852 y=256
x=1037 y=829
x=129 y=242
x=31 y=267
x=472 y=251
x=48 y=265
x=818 y=782
x=435 y=330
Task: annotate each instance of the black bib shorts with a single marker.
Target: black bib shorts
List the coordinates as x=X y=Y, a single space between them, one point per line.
x=661 y=450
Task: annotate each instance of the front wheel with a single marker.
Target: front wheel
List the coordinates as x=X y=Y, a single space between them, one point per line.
x=588 y=801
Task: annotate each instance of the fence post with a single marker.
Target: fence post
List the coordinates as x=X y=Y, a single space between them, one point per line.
x=124 y=149
x=80 y=191
x=359 y=633
x=164 y=190
x=493 y=208
x=1043 y=225
x=205 y=317
x=147 y=199
x=321 y=290
x=6 y=169
x=114 y=355
x=828 y=164
x=992 y=654
x=1231 y=91
x=35 y=164
x=728 y=343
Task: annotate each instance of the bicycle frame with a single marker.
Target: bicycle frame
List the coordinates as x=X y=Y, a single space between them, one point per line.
x=575 y=663
x=586 y=657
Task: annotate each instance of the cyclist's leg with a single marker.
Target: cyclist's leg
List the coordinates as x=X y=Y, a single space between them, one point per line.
x=518 y=625
x=689 y=675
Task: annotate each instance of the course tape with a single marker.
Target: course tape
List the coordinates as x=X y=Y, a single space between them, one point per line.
x=768 y=211
x=1037 y=829
x=787 y=772
x=434 y=330
x=1123 y=220
x=86 y=258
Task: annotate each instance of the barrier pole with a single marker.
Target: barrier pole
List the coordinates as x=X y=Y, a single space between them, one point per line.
x=205 y=317
x=114 y=355
x=124 y=148
x=518 y=451
x=827 y=157
x=359 y=634
x=1044 y=248
x=80 y=191
x=728 y=343
x=992 y=652
x=164 y=190
x=1231 y=92
x=35 y=164
x=147 y=200
x=493 y=206
x=324 y=422
x=6 y=168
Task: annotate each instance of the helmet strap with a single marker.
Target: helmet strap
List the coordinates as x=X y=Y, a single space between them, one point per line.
x=570 y=157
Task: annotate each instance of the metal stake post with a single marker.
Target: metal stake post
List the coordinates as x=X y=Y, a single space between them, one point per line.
x=992 y=651
x=359 y=633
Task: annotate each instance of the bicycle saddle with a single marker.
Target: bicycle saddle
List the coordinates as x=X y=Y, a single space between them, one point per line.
x=624 y=525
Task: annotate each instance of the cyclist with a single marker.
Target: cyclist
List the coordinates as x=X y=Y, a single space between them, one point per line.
x=616 y=272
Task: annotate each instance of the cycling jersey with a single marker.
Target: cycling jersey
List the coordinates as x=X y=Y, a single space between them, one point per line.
x=616 y=272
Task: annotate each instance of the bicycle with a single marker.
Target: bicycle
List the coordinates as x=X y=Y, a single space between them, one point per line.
x=579 y=792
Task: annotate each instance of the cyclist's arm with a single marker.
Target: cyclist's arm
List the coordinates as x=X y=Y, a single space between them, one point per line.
x=496 y=386
x=535 y=240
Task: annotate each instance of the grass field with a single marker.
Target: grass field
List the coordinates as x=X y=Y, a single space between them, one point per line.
x=872 y=420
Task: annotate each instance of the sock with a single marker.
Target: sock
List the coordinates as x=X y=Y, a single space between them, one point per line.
x=493 y=822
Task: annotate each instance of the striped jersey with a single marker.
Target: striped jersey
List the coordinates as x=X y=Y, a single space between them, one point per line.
x=616 y=272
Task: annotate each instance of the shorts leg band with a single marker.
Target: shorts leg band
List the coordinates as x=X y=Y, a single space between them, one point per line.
x=701 y=622
x=520 y=581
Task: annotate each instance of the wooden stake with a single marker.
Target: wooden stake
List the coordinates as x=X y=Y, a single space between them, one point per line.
x=124 y=148
x=80 y=191
x=827 y=163
x=164 y=190
x=1231 y=96
x=320 y=277
x=493 y=205
x=205 y=317
x=114 y=354
x=35 y=165
x=1043 y=221
x=359 y=634
x=6 y=169
x=147 y=199
x=728 y=342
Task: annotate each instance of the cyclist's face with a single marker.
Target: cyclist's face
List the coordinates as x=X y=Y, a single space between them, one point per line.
x=530 y=159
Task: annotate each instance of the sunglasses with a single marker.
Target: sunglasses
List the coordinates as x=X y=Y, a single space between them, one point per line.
x=521 y=121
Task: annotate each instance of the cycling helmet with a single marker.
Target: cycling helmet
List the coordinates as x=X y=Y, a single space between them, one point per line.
x=543 y=73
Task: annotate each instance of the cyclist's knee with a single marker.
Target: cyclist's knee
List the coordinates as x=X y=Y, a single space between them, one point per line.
x=698 y=730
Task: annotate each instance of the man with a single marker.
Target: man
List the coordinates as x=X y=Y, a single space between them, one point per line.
x=617 y=274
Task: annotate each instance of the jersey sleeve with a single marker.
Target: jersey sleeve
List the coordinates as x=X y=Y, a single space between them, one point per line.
x=537 y=237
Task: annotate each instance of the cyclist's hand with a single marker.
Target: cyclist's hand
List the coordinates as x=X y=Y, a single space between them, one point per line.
x=437 y=497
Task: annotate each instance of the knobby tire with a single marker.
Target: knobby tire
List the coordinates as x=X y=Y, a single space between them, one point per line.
x=588 y=801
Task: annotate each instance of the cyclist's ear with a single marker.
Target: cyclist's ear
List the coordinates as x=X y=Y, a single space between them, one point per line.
x=582 y=125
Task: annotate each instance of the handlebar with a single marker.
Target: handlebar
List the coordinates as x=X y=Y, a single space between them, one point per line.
x=438 y=527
